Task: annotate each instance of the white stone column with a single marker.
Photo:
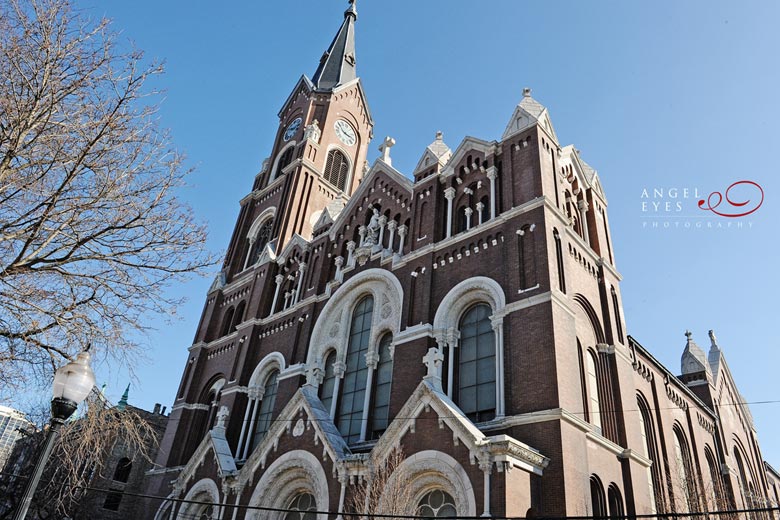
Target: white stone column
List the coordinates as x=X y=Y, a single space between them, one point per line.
x=480 y=207
x=449 y=194
x=339 y=369
x=246 y=424
x=249 y=252
x=486 y=467
x=492 y=172
x=583 y=207
x=279 y=280
x=498 y=332
x=401 y=235
x=391 y=226
x=372 y=359
x=379 y=246
x=343 y=479
x=258 y=397
x=287 y=299
x=452 y=344
x=351 y=254
x=339 y=264
x=301 y=272
x=362 y=233
x=468 y=212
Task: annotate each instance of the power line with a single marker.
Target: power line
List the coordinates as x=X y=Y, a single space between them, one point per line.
x=413 y=517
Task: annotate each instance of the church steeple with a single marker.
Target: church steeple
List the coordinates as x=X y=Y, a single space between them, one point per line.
x=337 y=65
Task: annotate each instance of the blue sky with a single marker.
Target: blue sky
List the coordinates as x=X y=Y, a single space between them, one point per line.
x=663 y=94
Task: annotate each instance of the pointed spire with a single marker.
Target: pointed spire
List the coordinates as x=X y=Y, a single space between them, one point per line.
x=122 y=404
x=693 y=358
x=337 y=65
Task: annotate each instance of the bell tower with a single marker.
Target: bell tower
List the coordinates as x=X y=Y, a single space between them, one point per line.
x=318 y=157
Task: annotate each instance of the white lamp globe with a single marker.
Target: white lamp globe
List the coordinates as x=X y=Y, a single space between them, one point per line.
x=75 y=380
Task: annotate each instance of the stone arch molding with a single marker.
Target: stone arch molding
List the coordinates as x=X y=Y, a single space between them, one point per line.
x=294 y=472
x=267 y=214
x=331 y=332
x=468 y=292
x=432 y=469
x=203 y=490
x=273 y=361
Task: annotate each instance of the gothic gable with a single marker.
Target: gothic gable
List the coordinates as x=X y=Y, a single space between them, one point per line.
x=469 y=146
x=303 y=87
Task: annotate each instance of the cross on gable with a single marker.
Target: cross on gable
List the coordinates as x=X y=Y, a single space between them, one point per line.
x=388 y=143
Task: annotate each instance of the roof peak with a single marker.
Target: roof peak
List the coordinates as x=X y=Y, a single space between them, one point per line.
x=337 y=65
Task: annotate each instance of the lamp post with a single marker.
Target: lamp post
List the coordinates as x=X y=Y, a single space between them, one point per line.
x=72 y=384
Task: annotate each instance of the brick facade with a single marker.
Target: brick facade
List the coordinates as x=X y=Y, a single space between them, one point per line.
x=519 y=225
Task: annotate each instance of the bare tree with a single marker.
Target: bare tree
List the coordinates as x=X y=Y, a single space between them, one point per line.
x=91 y=229
x=79 y=460
x=385 y=489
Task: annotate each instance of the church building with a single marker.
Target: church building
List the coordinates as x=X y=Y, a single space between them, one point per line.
x=463 y=319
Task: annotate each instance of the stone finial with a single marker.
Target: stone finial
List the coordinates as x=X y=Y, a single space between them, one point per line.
x=384 y=148
x=433 y=360
x=527 y=92
x=222 y=416
x=439 y=136
x=689 y=335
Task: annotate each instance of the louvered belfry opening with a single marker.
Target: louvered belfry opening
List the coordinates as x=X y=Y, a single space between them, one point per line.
x=336 y=169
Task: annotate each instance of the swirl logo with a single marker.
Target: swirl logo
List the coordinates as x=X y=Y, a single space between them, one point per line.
x=735 y=208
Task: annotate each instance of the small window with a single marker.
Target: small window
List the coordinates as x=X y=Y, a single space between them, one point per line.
x=123 y=468
x=383 y=377
x=284 y=161
x=113 y=500
x=329 y=382
x=302 y=507
x=437 y=504
x=336 y=169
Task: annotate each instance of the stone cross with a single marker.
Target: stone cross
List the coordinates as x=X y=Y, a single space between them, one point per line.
x=433 y=360
x=388 y=143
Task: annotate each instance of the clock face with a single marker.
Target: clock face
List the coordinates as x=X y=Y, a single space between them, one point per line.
x=294 y=126
x=345 y=132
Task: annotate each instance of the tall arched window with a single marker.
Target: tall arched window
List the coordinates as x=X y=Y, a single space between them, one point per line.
x=615 y=502
x=743 y=479
x=559 y=259
x=260 y=241
x=349 y=418
x=328 y=385
x=616 y=309
x=380 y=395
x=597 y=499
x=238 y=316
x=123 y=469
x=716 y=498
x=266 y=410
x=437 y=504
x=648 y=444
x=476 y=364
x=303 y=507
x=594 y=406
x=227 y=321
x=284 y=161
x=687 y=478
x=337 y=169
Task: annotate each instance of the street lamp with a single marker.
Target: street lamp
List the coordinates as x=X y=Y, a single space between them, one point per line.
x=72 y=384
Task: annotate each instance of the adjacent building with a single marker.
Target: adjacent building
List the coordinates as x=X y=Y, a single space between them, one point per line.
x=467 y=313
x=13 y=424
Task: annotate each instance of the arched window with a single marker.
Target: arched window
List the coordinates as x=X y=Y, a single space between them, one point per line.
x=615 y=502
x=462 y=224
x=597 y=499
x=212 y=399
x=349 y=418
x=380 y=395
x=328 y=385
x=122 y=471
x=594 y=406
x=261 y=240
x=687 y=478
x=437 y=504
x=743 y=479
x=303 y=506
x=284 y=161
x=238 y=316
x=266 y=409
x=716 y=495
x=227 y=321
x=337 y=169
x=648 y=444
x=476 y=364
x=484 y=215
x=616 y=309
x=559 y=258
x=205 y=512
